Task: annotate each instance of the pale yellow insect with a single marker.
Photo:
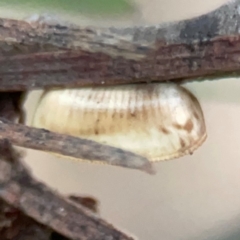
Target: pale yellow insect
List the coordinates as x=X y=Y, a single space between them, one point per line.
x=158 y=121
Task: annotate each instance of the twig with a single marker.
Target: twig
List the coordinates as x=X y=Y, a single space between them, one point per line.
x=44 y=55
x=21 y=135
x=41 y=139
x=37 y=201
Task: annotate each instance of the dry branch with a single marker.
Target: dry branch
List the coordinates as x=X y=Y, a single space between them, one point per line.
x=44 y=140
x=23 y=136
x=37 y=55
x=35 y=200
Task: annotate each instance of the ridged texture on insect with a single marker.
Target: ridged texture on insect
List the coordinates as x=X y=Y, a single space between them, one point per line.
x=158 y=121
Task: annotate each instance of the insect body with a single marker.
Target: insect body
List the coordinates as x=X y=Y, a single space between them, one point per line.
x=157 y=121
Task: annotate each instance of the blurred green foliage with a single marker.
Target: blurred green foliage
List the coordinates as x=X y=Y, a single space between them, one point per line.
x=93 y=7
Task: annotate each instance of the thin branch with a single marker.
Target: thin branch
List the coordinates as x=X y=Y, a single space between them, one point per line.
x=43 y=55
x=21 y=135
x=44 y=140
x=37 y=201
